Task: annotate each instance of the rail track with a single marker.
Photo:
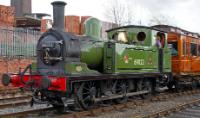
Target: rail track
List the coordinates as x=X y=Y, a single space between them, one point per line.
x=9 y=90
x=25 y=113
x=169 y=103
x=9 y=96
x=164 y=103
x=14 y=103
x=191 y=112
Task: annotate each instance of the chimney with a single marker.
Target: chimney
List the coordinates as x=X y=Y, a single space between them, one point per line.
x=22 y=7
x=58 y=15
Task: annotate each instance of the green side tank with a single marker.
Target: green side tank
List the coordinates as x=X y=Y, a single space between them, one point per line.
x=92 y=54
x=92 y=45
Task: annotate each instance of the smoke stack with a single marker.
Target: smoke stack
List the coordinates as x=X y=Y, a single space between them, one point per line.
x=58 y=15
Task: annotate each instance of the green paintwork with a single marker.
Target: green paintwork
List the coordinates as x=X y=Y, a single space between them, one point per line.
x=117 y=57
x=72 y=68
x=123 y=58
x=92 y=28
x=91 y=45
x=137 y=57
x=75 y=68
x=92 y=54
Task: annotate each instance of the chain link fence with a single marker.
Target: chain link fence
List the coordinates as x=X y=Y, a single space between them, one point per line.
x=18 y=42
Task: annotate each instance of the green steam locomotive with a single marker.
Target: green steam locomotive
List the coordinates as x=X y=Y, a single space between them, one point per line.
x=133 y=61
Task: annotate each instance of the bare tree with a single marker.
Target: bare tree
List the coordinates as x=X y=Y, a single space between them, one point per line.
x=161 y=20
x=119 y=12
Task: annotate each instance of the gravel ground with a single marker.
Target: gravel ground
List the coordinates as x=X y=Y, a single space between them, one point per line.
x=148 y=108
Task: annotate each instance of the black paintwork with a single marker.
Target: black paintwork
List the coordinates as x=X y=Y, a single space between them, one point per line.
x=66 y=44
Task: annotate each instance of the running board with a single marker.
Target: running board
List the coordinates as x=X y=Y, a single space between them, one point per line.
x=120 y=96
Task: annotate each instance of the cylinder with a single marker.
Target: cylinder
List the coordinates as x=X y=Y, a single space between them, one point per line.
x=58 y=15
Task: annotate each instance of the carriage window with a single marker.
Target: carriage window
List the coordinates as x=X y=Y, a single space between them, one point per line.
x=185 y=48
x=193 y=49
x=199 y=50
x=174 y=48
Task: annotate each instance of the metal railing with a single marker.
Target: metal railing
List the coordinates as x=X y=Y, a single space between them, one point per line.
x=15 y=42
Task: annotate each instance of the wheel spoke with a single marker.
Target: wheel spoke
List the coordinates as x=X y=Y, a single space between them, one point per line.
x=86 y=88
x=89 y=84
x=86 y=98
x=121 y=89
x=85 y=93
x=144 y=85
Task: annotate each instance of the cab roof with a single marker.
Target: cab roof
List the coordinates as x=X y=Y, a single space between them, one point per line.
x=135 y=26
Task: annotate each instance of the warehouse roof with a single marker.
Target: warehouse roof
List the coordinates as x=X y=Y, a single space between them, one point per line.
x=27 y=22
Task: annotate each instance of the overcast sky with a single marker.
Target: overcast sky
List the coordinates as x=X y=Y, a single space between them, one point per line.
x=181 y=13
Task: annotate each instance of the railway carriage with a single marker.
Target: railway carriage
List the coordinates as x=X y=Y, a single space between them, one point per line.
x=185 y=56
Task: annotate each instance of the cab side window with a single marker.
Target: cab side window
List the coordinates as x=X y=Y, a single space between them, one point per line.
x=160 y=40
x=120 y=36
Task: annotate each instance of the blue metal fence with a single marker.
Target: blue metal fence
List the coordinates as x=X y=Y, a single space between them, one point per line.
x=15 y=42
